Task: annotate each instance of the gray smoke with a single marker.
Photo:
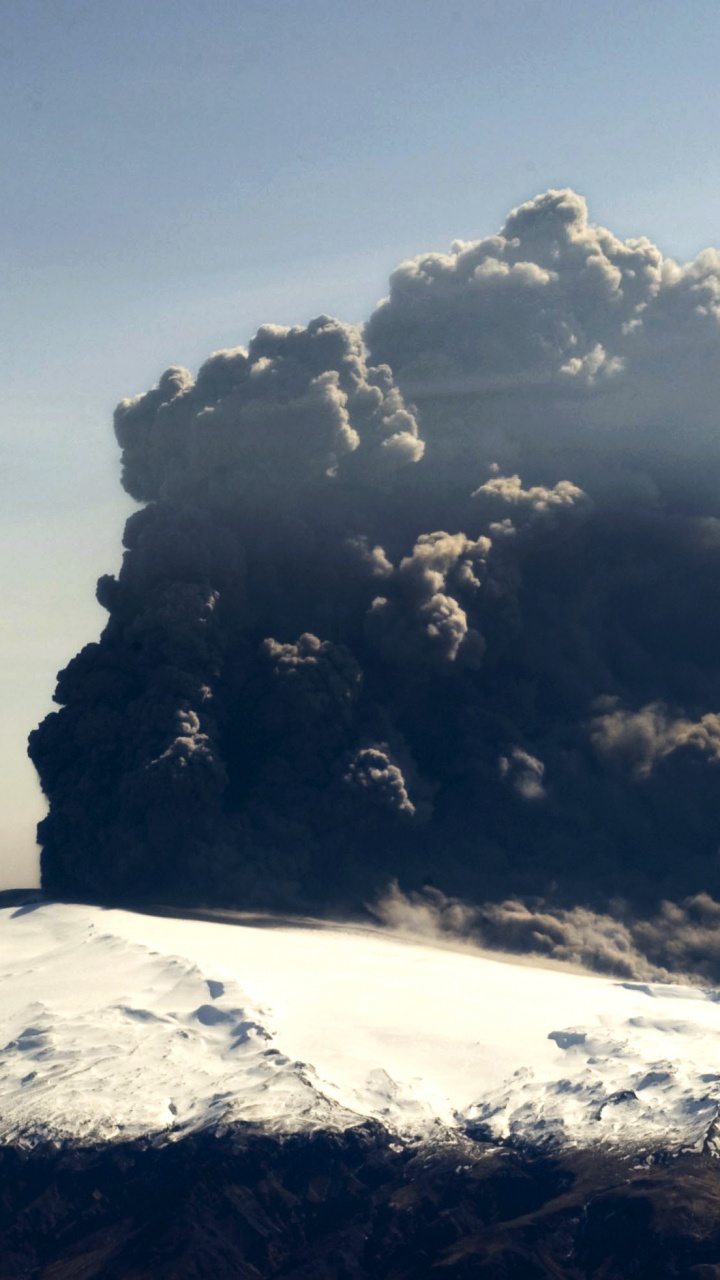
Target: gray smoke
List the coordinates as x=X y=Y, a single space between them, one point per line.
x=682 y=940
x=558 y=351
x=437 y=602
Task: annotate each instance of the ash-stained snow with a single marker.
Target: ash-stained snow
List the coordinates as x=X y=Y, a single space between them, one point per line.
x=114 y=1024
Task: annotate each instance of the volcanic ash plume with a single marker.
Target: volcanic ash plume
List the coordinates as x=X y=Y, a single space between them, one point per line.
x=436 y=603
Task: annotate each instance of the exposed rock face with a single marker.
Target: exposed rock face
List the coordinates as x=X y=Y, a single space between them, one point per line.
x=352 y=1206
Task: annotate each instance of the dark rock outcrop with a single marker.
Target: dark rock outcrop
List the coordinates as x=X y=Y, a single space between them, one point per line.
x=357 y=1205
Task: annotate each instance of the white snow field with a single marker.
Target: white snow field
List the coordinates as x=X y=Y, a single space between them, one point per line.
x=121 y=1025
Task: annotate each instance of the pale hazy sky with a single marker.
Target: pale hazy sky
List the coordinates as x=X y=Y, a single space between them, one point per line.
x=176 y=172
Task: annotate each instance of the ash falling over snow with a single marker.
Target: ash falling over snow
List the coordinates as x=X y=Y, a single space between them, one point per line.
x=436 y=602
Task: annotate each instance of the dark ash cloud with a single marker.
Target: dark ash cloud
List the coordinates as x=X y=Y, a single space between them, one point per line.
x=437 y=602
x=680 y=940
x=553 y=347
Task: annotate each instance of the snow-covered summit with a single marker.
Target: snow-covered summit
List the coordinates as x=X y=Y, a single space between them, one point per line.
x=115 y=1024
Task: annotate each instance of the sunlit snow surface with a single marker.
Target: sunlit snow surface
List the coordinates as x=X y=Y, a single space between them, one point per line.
x=114 y=1024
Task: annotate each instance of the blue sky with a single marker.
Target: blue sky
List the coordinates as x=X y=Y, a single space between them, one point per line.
x=177 y=173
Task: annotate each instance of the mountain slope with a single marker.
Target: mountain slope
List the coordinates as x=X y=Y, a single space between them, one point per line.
x=115 y=1025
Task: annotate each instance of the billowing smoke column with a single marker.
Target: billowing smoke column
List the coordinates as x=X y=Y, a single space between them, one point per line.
x=438 y=602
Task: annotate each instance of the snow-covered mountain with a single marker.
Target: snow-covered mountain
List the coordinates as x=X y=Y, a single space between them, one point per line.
x=118 y=1026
